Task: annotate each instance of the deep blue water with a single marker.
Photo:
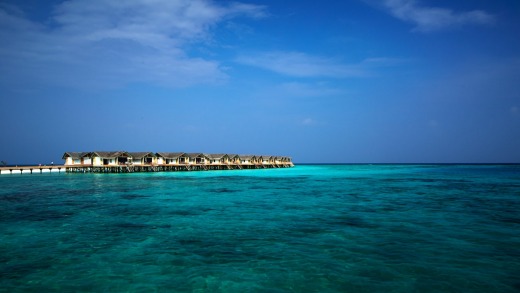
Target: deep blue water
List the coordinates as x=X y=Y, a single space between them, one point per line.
x=312 y=228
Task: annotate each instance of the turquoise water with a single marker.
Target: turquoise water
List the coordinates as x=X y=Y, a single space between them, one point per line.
x=312 y=228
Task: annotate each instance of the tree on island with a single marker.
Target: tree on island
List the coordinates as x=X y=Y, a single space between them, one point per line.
x=3 y=163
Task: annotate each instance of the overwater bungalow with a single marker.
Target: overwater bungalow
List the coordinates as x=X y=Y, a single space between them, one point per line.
x=234 y=159
x=125 y=162
x=109 y=158
x=216 y=159
x=142 y=158
x=247 y=159
x=286 y=160
x=266 y=160
x=171 y=158
x=76 y=158
x=197 y=158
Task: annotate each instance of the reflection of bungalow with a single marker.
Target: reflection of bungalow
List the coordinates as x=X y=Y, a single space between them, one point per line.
x=171 y=158
x=109 y=158
x=142 y=158
x=247 y=159
x=197 y=158
x=216 y=159
x=76 y=158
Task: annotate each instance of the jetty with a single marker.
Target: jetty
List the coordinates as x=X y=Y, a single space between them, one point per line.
x=32 y=169
x=131 y=162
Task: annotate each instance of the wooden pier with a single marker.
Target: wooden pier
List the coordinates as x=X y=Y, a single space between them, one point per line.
x=32 y=169
x=126 y=168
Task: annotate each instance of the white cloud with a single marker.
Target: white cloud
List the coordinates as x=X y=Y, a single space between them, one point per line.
x=308 y=121
x=299 y=64
x=103 y=42
x=429 y=19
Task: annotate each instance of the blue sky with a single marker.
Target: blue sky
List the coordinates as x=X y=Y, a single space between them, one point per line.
x=358 y=81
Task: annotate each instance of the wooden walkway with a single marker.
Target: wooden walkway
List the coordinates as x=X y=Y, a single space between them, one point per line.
x=32 y=169
x=136 y=168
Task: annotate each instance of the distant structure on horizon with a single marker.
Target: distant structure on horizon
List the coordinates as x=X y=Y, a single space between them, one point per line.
x=128 y=162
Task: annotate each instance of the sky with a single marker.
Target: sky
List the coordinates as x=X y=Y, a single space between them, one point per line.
x=357 y=81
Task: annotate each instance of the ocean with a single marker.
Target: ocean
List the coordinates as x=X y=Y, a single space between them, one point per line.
x=311 y=228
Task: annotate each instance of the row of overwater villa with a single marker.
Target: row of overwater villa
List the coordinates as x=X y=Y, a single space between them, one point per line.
x=127 y=162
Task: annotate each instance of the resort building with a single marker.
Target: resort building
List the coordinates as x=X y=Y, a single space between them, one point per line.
x=171 y=158
x=216 y=159
x=126 y=162
x=247 y=159
x=234 y=159
x=109 y=158
x=142 y=158
x=267 y=160
x=197 y=159
x=76 y=158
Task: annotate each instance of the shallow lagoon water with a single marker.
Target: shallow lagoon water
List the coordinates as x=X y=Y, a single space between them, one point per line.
x=312 y=228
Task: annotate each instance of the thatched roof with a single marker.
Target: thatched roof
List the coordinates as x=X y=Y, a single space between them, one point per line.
x=195 y=155
x=140 y=155
x=247 y=157
x=109 y=154
x=74 y=155
x=170 y=155
x=215 y=156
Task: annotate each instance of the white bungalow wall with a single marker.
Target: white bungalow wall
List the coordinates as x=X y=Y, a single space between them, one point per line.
x=96 y=161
